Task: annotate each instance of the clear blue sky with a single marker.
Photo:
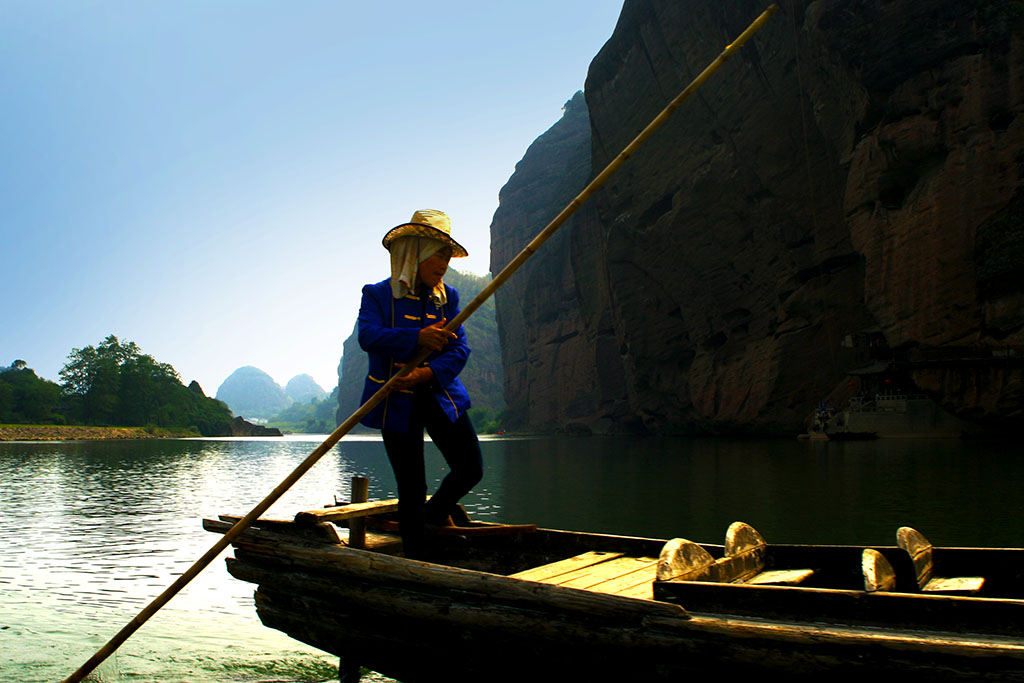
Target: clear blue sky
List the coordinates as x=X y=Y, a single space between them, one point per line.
x=211 y=179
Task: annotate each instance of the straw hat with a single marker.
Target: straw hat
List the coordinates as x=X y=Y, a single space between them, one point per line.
x=427 y=223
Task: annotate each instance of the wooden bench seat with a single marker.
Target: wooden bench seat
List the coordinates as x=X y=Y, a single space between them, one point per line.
x=348 y=511
x=878 y=573
x=601 y=572
x=920 y=551
x=744 y=561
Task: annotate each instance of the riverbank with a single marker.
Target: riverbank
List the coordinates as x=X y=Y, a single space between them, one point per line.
x=72 y=433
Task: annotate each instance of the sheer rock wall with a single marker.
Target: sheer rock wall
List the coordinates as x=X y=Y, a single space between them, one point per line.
x=856 y=166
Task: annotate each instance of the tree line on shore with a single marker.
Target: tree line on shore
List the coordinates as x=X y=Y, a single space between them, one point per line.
x=111 y=384
x=316 y=416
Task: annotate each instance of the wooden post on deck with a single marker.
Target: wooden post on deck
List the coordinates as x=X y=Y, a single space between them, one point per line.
x=348 y=666
x=357 y=526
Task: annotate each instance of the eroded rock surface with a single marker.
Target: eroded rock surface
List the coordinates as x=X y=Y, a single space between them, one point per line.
x=855 y=167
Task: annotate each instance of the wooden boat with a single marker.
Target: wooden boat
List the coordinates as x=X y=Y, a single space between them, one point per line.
x=513 y=603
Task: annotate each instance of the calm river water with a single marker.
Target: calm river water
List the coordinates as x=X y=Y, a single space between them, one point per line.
x=90 y=532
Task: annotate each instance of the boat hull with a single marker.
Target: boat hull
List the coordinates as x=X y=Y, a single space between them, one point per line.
x=416 y=621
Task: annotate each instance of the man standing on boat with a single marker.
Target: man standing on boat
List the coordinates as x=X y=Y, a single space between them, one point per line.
x=397 y=316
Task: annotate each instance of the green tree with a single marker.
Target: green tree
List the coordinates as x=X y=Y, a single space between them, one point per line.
x=6 y=402
x=210 y=416
x=115 y=383
x=312 y=417
x=91 y=379
x=25 y=397
x=144 y=387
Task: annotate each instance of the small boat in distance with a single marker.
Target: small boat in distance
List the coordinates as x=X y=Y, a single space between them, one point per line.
x=513 y=603
x=889 y=415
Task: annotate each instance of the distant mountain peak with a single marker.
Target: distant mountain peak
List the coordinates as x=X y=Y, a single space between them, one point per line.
x=303 y=388
x=253 y=394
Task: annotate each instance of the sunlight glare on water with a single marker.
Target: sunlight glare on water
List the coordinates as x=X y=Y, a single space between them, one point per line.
x=91 y=532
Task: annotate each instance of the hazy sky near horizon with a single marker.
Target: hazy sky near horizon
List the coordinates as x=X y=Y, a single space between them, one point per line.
x=211 y=178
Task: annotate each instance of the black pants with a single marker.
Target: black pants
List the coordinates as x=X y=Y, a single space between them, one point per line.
x=461 y=450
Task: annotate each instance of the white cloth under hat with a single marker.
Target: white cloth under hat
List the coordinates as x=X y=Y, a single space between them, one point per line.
x=407 y=253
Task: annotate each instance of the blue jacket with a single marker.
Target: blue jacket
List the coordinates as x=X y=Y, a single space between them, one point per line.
x=388 y=329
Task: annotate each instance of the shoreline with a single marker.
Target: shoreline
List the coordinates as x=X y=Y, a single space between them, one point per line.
x=81 y=433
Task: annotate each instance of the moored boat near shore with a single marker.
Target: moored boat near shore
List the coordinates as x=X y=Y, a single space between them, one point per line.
x=888 y=416
x=501 y=603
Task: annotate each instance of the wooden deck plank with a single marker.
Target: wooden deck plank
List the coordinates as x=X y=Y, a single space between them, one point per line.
x=604 y=572
x=643 y=591
x=473 y=529
x=350 y=511
x=959 y=584
x=641 y=576
x=608 y=573
x=548 y=571
x=787 y=577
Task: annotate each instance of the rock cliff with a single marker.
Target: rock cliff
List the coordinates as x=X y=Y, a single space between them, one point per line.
x=241 y=427
x=856 y=167
x=551 y=348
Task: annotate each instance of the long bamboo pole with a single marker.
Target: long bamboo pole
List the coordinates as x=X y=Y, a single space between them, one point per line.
x=354 y=419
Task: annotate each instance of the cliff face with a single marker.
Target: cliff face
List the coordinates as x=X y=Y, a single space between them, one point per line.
x=557 y=346
x=854 y=167
x=352 y=369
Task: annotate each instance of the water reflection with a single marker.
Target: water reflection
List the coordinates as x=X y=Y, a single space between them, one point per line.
x=91 y=531
x=964 y=493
